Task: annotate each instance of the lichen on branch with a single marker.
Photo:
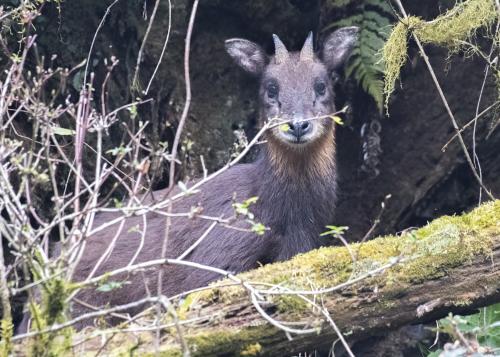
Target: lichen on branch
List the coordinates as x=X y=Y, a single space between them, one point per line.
x=449 y=30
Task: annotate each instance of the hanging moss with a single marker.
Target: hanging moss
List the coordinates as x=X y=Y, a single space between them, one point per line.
x=394 y=55
x=448 y=30
x=458 y=24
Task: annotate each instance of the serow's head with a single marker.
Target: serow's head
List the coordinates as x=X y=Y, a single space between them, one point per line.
x=296 y=86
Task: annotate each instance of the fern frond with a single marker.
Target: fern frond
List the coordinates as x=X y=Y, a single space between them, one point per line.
x=340 y=3
x=374 y=18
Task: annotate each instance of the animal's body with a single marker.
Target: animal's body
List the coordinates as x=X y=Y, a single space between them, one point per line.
x=296 y=211
x=294 y=179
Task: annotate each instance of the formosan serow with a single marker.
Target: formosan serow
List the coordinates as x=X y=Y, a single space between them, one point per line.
x=294 y=179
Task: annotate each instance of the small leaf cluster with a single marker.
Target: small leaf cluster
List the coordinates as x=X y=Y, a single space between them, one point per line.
x=111 y=285
x=335 y=231
x=481 y=331
x=243 y=209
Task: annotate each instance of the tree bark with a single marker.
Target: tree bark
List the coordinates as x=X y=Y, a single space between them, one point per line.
x=447 y=266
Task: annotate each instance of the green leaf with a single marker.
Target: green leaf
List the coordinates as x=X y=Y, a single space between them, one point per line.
x=259 y=228
x=483 y=326
x=284 y=127
x=133 y=111
x=240 y=209
x=335 y=231
x=63 y=131
x=120 y=150
x=250 y=201
x=112 y=285
x=117 y=203
x=337 y=119
x=134 y=229
x=340 y=3
x=182 y=186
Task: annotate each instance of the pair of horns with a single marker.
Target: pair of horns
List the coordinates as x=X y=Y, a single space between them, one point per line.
x=281 y=53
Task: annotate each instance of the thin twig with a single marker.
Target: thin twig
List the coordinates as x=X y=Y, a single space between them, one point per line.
x=446 y=105
x=101 y=24
x=103 y=312
x=175 y=145
x=143 y=45
x=472 y=121
x=169 y=27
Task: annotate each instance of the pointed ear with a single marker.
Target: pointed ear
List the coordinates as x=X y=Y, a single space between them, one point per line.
x=248 y=55
x=338 y=46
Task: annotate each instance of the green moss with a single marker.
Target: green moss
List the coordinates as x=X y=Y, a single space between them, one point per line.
x=55 y=293
x=387 y=304
x=222 y=340
x=51 y=310
x=185 y=306
x=448 y=242
x=462 y=302
x=132 y=350
x=430 y=251
x=459 y=23
x=7 y=332
x=290 y=304
x=253 y=349
x=394 y=55
x=449 y=30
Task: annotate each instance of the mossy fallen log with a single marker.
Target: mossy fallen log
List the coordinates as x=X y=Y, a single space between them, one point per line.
x=450 y=265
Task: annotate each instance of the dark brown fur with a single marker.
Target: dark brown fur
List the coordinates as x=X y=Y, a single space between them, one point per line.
x=296 y=186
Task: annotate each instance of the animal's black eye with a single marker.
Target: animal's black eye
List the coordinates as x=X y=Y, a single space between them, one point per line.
x=320 y=88
x=272 y=90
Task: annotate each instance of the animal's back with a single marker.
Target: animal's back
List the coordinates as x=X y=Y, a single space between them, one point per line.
x=215 y=199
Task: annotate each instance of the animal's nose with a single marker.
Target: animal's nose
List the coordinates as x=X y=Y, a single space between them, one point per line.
x=299 y=129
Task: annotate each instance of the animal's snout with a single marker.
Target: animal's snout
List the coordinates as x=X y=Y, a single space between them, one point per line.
x=299 y=128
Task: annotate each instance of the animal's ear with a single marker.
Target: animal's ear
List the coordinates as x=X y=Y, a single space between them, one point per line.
x=338 y=46
x=248 y=55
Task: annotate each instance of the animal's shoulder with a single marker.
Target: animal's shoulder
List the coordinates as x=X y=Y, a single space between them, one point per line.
x=237 y=183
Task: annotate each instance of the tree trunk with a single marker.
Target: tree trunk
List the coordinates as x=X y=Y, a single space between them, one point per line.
x=447 y=266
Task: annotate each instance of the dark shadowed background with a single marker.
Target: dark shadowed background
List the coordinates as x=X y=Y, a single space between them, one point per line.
x=424 y=181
